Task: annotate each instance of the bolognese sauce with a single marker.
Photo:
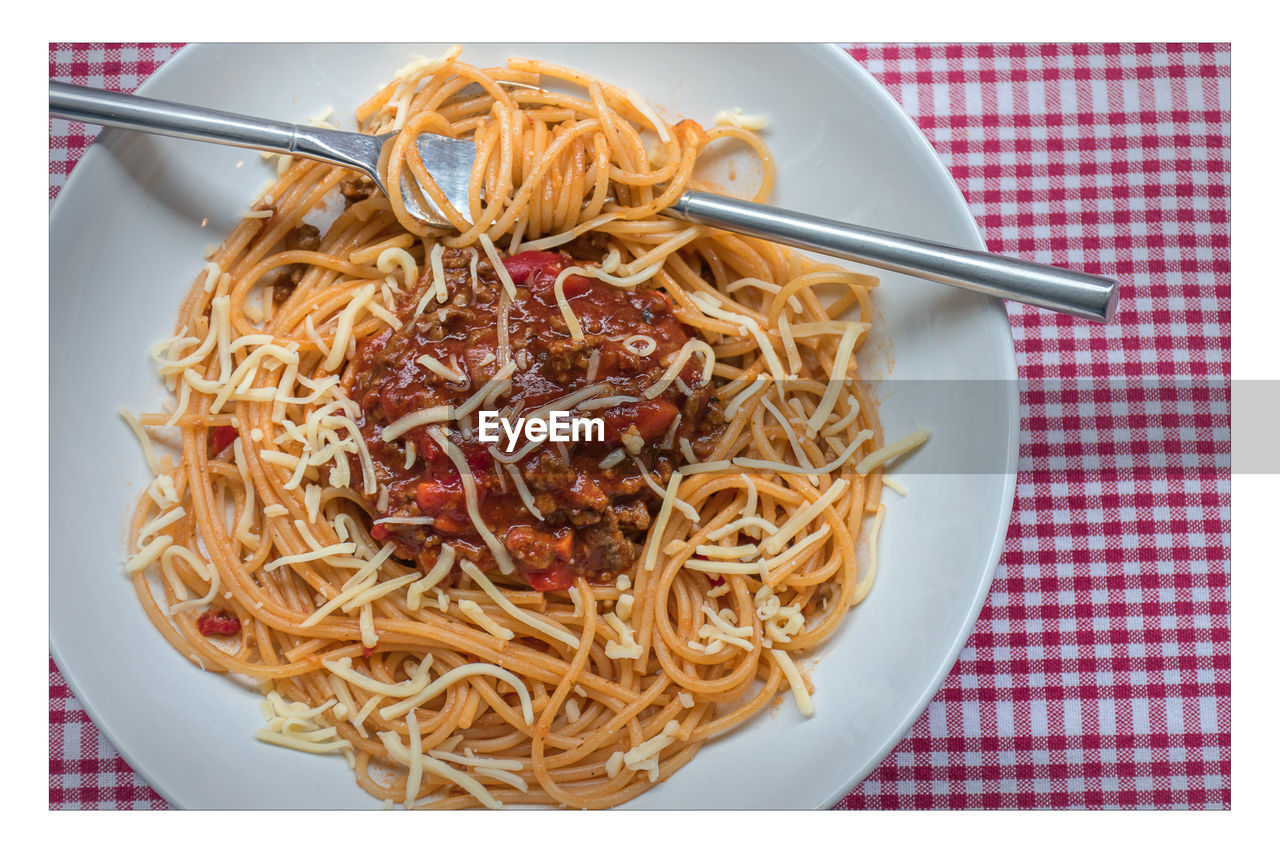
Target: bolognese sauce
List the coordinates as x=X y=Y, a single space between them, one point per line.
x=586 y=506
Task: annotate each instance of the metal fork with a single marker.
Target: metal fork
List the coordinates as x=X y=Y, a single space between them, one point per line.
x=450 y=163
x=450 y=159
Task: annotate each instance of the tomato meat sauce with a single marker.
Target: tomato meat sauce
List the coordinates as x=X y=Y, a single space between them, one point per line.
x=581 y=519
x=218 y=623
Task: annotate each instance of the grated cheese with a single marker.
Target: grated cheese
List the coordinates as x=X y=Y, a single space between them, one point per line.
x=444 y=563
x=522 y=489
x=538 y=624
x=736 y=118
x=145 y=440
x=496 y=385
x=745 y=394
x=789 y=344
x=839 y=373
x=678 y=362
x=414 y=684
x=398 y=427
x=504 y=333
x=613 y=459
x=560 y=239
x=437 y=272
x=212 y=275
x=746 y=325
x=647 y=111
x=645 y=756
x=660 y=523
x=890 y=451
x=800 y=517
x=163 y=491
x=458 y=673
x=346 y=324
x=798 y=688
x=206 y=571
x=769 y=287
x=721 y=629
x=895 y=484
x=626 y=646
x=148 y=555
x=470 y=760
x=499 y=268
x=503 y=776
x=427 y=764
x=477 y=615
x=469 y=495
x=294 y=725
x=159 y=523
x=368 y=634
x=394 y=258
x=414 y=782
x=784 y=468
x=685 y=508
x=785 y=423
x=706 y=467
x=343 y=548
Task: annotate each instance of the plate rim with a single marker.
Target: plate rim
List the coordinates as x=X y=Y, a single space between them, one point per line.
x=840 y=60
x=995 y=549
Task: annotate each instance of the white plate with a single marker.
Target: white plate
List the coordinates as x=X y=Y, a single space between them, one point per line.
x=127 y=236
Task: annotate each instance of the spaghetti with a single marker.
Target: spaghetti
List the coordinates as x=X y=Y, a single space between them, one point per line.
x=273 y=547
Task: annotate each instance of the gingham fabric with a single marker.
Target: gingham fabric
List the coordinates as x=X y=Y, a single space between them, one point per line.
x=1098 y=675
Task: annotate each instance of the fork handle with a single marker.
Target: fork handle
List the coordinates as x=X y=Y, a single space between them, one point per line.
x=1079 y=294
x=133 y=112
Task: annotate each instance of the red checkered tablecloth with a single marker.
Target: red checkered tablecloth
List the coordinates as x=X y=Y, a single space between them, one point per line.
x=1098 y=674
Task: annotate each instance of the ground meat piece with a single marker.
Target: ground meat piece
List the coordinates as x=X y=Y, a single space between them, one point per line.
x=409 y=539
x=545 y=504
x=824 y=595
x=529 y=547
x=446 y=317
x=695 y=404
x=356 y=188
x=567 y=355
x=284 y=279
x=305 y=237
x=549 y=473
x=456 y=259
x=608 y=546
x=632 y=515
x=706 y=432
x=564 y=493
x=581 y=517
x=282 y=284
x=592 y=246
x=585 y=493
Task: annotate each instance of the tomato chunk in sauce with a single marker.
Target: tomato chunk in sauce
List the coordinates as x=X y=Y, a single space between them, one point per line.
x=580 y=519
